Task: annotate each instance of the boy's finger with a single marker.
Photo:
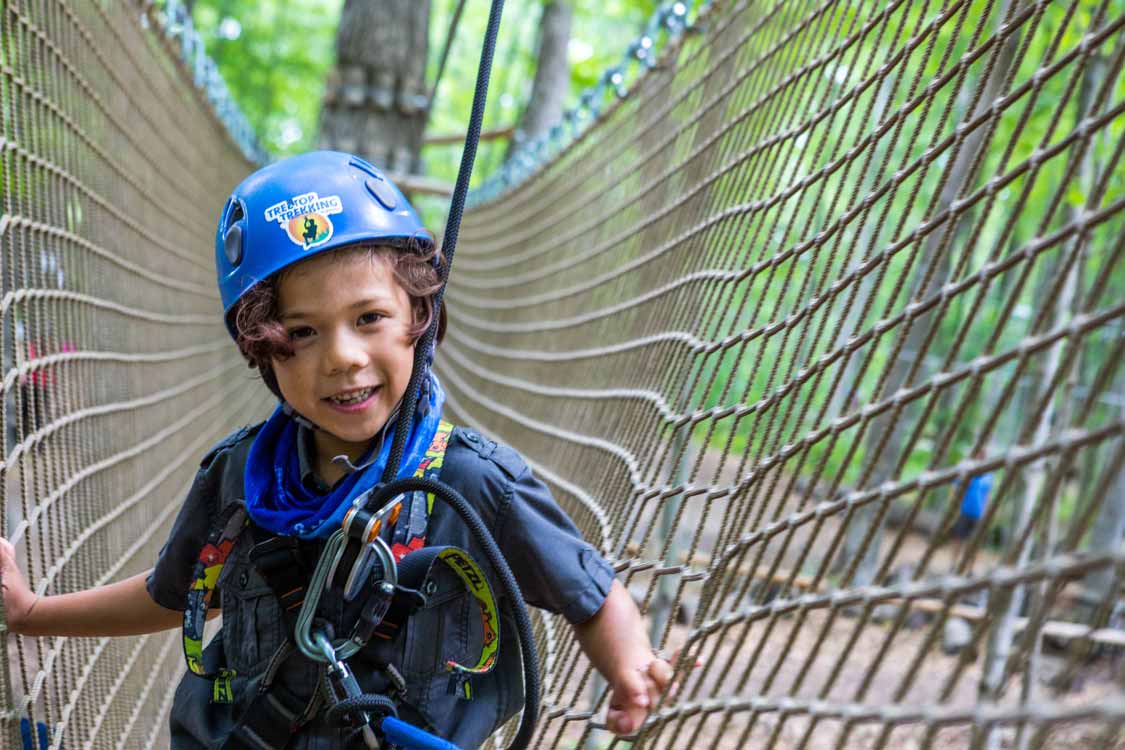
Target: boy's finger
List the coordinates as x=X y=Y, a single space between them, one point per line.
x=629 y=702
x=661 y=672
x=618 y=722
x=631 y=690
x=675 y=657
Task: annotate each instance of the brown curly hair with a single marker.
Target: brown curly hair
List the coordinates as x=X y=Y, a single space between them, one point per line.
x=261 y=338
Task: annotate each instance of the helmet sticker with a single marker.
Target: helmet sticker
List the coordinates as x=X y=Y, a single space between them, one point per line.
x=305 y=218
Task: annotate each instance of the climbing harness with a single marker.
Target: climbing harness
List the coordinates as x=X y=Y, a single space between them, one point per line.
x=358 y=555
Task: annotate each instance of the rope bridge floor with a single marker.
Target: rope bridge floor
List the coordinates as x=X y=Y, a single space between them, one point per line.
x=818 y=334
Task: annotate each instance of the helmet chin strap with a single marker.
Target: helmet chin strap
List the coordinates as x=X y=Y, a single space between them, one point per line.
x=372 y=451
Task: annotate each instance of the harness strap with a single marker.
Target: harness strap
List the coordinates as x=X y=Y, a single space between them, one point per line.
x=271 y=719
x=275 y=713
x=212 y=557
x=280 y=561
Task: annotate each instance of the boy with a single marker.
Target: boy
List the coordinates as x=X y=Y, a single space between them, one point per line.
x=327 y=278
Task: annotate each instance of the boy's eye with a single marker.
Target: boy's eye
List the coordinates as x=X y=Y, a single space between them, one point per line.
x=301 y=332
x=370 y=317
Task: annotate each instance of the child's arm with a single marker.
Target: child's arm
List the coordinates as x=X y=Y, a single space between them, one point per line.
x=122 y=608
x=616 y=643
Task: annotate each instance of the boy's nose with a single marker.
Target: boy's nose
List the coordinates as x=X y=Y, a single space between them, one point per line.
x=345 y=352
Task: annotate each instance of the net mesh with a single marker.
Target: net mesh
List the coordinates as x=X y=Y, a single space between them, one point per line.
x=117 y=373
x=828 y=269
x=763 y=326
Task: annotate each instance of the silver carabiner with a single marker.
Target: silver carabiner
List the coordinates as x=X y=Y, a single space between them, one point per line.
x=374 y=551
x=330 y=557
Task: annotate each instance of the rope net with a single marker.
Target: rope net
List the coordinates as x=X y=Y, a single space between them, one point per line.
x=763 y=325
x=760 y=329
x=117 y=373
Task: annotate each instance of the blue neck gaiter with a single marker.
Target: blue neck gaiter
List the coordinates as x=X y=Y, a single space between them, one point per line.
x=277 y=499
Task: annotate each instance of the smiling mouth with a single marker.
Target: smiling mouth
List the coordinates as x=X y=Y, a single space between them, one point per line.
x=347 y=398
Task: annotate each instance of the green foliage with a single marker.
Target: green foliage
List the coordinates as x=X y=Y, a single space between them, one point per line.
x=1035 y=204
x=274 y=56
x=599 y=36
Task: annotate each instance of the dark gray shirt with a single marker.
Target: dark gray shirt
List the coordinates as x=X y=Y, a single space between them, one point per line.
x=556 y=571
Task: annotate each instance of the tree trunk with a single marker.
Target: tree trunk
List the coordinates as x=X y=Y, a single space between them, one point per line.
x=375 y=99
x=552 y=73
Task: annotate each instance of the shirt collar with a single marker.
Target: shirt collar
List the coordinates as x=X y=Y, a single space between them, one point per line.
x=306 y=450
x=306 y=453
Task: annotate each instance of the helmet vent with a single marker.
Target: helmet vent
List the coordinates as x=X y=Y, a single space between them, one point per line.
x=232 y=245
x=234 y=213
x=232 y=235
x=382 y=193
x=365 y=166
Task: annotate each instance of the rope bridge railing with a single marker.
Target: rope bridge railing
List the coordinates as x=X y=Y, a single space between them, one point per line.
x=117 y=373
x=826 y=269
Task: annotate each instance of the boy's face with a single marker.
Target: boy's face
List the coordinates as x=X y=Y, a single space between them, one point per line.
x=348 y=321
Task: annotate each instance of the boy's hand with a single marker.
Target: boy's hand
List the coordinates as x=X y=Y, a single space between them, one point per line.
x=617 y=644
x=19 y=599
x=634 y=694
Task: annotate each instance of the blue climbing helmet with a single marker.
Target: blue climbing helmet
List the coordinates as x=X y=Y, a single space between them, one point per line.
x=307 y=204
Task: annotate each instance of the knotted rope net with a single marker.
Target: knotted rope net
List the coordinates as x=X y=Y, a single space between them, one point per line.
x=827 y=269
x=117 y=373
x=762 y=326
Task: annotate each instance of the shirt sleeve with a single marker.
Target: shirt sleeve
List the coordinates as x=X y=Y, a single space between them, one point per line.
x=168 y=582
x=557 y=570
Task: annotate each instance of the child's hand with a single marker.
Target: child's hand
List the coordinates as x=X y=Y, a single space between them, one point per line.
x=634 y=694
x=617 y=644
x=19 y=599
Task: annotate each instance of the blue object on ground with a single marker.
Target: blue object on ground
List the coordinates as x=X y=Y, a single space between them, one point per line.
x=976 y=496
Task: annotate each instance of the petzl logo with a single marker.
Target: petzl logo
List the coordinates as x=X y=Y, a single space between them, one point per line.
x=305 y=218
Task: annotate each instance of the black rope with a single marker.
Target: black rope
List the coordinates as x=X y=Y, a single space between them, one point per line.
x=449 y=243
x=393 y=487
